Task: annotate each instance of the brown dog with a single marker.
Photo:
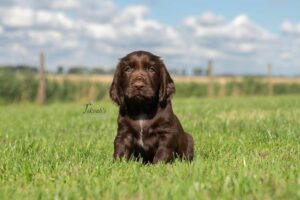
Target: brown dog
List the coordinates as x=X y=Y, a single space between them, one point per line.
x=147 y=126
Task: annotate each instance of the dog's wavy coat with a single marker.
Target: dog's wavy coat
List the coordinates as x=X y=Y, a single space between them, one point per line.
x=147 y=126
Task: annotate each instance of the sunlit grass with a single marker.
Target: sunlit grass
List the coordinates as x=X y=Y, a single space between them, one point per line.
x=246 y=148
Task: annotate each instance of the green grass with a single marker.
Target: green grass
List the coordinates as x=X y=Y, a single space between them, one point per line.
x=246 y=148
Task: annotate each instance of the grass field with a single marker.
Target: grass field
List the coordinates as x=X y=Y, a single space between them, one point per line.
x=246 y=148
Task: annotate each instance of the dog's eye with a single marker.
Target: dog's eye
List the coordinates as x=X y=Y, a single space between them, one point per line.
x=151 y=68
x=128 y=68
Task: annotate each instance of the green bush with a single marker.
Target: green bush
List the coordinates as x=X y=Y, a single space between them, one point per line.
x=191 y=89
x=9 y=89
x=24 y=88
x=280 y=89
x=251 y=86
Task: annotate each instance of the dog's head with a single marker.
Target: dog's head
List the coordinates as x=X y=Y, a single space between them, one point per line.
x=139 y=76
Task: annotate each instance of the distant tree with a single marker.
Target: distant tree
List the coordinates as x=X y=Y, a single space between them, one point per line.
x=183 y=72
x=78 y=70
x=110 y=71
x=197 y=71
x=60 y=70
x=26 y=68
x=97 y=70
x=18 y=68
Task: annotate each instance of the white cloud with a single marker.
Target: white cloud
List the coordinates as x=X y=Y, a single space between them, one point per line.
x=18 y=49
x=99 y=31
x=131 y=13
x=286 y=56
x=290 y=28
x=24 y=17
x=243 y=47
x=17 y=16
x=54 y=19
x=243 y=28
x=240 y=28
x=206 y=19
x=44 y=37
x=66 y=4
x=237 y=45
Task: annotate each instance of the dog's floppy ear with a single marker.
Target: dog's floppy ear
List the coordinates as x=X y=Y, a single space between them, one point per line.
x=116 y=91
x=167 y=87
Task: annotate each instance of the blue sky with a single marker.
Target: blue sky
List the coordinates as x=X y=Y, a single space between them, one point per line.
x=268 y=13
x=241 y=37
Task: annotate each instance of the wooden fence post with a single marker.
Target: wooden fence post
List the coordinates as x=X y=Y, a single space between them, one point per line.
x=42 y=82
x=270 y=84
x=210 y=89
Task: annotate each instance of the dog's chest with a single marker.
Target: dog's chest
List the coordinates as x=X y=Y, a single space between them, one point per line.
x=140 y=140
x=144 y=137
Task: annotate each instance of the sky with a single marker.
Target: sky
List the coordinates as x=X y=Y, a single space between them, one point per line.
x=241 y=37
x=268 y=13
